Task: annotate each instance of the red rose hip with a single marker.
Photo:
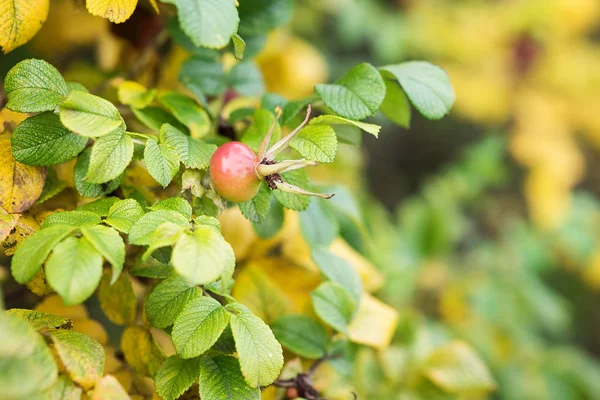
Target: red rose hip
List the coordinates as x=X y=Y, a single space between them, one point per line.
x=233 y=172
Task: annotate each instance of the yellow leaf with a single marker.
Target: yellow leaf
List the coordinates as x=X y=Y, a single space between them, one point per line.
x=38 y=284
x=109 y=388
x=370 y=276
x=20 y=20
x=91 y=328
x=116 y=11
x=20 y=184
x=117 y=300
x=154 y=5
x=54 y=305
x=374 y=323
x=141 y=350
x=237 y=231
x=111 y=362
x=7 y=223
x=26 y=226
x=136 y=95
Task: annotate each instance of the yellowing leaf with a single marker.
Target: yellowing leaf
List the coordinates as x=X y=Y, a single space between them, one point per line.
x=7 y=223
x=109 y=388
x=54 y=305
x=20 y=184
x=116 y=11
x=20 y=20
x=371 y=277
x=117 y=300
x=374 y=323
x=141 y=350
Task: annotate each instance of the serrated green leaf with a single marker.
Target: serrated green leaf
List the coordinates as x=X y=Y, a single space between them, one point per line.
x=155 y=117
x=294 y=202
x=167 y=299
x=111 y=154
x=272 y=222
x=162 y=162
x=175 y=376
x=456 y=368
x=239 y=46
x=395 y=106
x=165 y=235
x=198 y=326
x=33 y=86
x=302 y=335
x=318 y=225
x=221 y=378
x=82 y=356
x=178 y=204
x=39 y=320
x=262 y=16
x=123 y=214
x=89 y=115
x=75 y=218
x=255 y=133
x=357 y=95
x=87 y=189
x=42 y=140
x=260 y=354
x=109 y=243
x=316 y=142
x=246 y=79
x=18 y=337
x=205 y=206
x=257 y=208
x=141 y=231
x=426 y=85
x=141 y=351
x=100 y=207
x=335 y=120
x=151 y=268
x=187 y=111
x=202 y=256
x=334 y=305
x=192 y=152
x=338 y=270
x=209 y=23
x=74 y=270
x=207 y=76
x=32 y=252
x=117 y=299
x=292 y=108
x=64 y=389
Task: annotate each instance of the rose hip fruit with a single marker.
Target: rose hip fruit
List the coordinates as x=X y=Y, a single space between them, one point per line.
x=233 y=172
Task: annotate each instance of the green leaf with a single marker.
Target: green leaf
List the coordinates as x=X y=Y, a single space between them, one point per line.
x=76 y=86
x=167 y=299
x=335 y=120
x=396 y=106
x=192 y=152
x=246 y=79
x=302 y=335
x=202 y=256
x=198 y=326
x=456 y=368
x=109 y=243
x=317 y=143
x=338 y=270
x=161 y=161
x=117 y=299
x=87 y=189
x=262 y=16
x=255 y=133
x=155 y=117
x=221 y=378
x=123 y=214
x=89 y=115
x=52 y=187
x=209 y=23
x=40 y=320
x=294 y=201
x=151 y=268
x=111 y=154
x=186 y=110
x=260 y=354
x=75 y=218
x=292 y=108
x=42 y=140
x=32 y=252
x=74 y=270
x=205 y=206
x=318 y=225
x=239 y=46
x=178 y=204
x=64 y=389
x=272 y=222
x=141 y=350
x=135 y=95
x=257 y=208
x=426 y=85
x=357 y=95
x=18 y=337
x=141 y=231
x=334 y=305
x=100 y=207
x=175 y=376
x=165 y=235
x=34 y=86
x=207 y=76
x=82 y=356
